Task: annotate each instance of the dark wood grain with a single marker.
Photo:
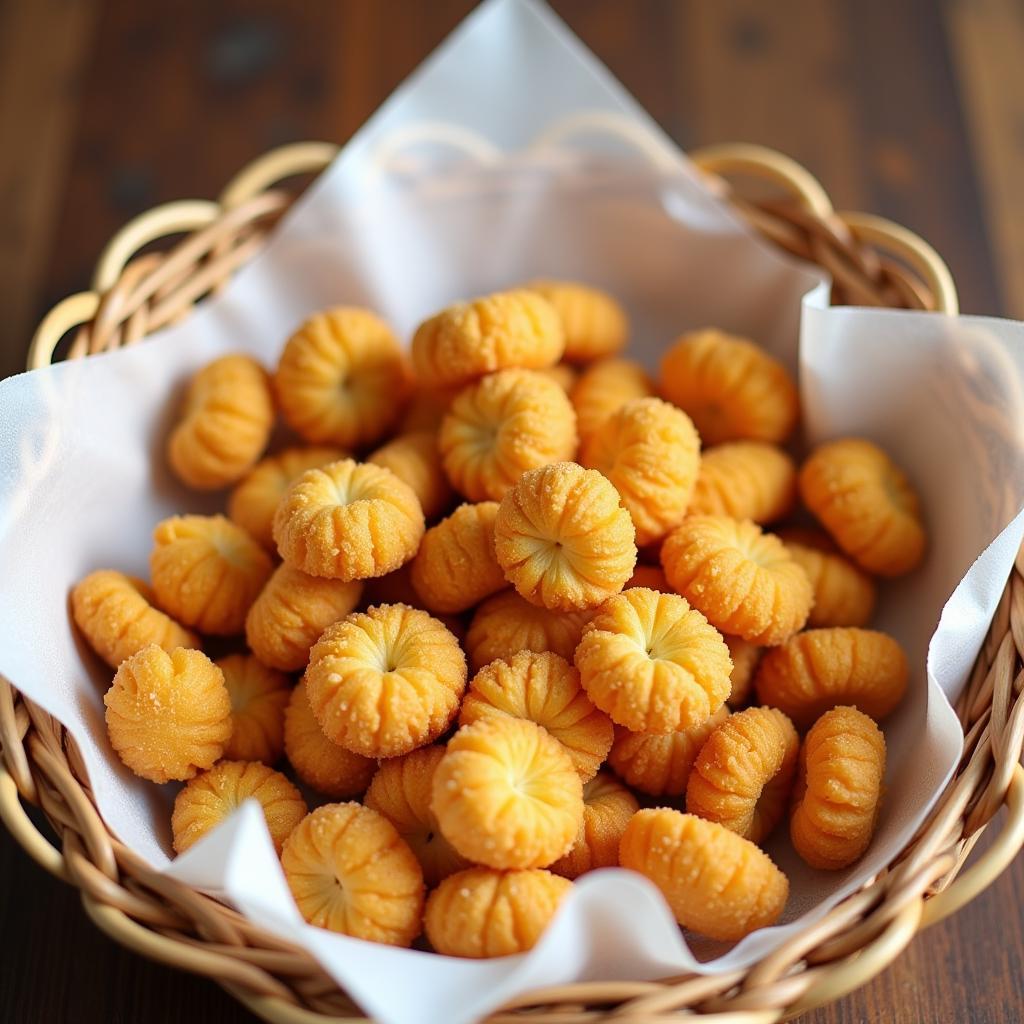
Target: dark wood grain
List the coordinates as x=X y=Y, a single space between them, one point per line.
x=173 y=99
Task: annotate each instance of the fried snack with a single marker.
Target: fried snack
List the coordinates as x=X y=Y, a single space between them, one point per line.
x=745 y=480
x=342 y=378
x=416 y=461
x=661 y=764
x=506 y=794
x=258 y=697
x=563 y=538
x=650 y=451
x=507 y=329
x=212 y=796
x=653 y=663
x=401 y=791
x=843 y=594
x=716 y=882
x=839 y=789
x=501 y=426
x=605 y=387
x=168 y=715
x=225 y=423
x=385 y=681
x=506 y=624
x=649 y=576
x=207 y=572
x=745 y=659
x=482 y=912
x=821 y=668
x=866 y=503
x=319 y=763
x=545 y=689
x=116 y=616
x=350 y=871
x=562 y=374
x=253 y=502
x=595 y=324
x=455 y=567
x=743 y=580
x=607 y=808
x=348 y=521
x=743 y=775
x=293 y=609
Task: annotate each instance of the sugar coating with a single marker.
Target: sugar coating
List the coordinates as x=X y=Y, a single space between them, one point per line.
x=844 y=595
x=745 y=659
x=607 y=808
x=259 y=695
x=595 y=324
x=351 y=872
x=225 y=423
x=745 y=480
x=604 y=387
x=416 y=460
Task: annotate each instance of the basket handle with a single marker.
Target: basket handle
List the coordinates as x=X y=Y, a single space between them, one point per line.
x=21 y=826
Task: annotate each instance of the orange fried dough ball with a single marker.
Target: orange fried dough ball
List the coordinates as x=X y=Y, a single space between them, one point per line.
x=225 y=423
x=507 y=329
x=502 y=426
x=595 y=324
x=455 y=567
x=716 y=882
x=743 y=775
x=818 y=669
x=843 y=594
x=745 y=480
x=866 y=503
x=258 y=697
x=416 y=460
x=342 y=378
x=745 y=659
x=605 y=387
x=168 y=715
x=743 y=580
x=385 y=681
x=401 y=791
x=607 y=808
x=207 y=572
x=731 y=389
x=350 y=871
x=293 y=609
x=563 y=538
x=506 y=794
x=653 y=663
x=650 y=451
x=482 y=912
x=348 y=521
x=545 y=689
x=212 y=796
x=116 y=616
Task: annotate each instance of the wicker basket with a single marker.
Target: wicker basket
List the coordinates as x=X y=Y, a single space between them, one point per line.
x=872 y=262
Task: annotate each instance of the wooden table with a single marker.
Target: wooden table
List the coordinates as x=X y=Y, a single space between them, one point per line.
x=912 y=110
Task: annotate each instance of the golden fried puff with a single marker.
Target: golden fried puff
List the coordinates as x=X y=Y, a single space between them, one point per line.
x=745 y=659
x=821 y=668
x=604 y=387
x=293 y=609
x=563 y=538
x=319 y=763
x=483 y=912
x=506 y=624
x=342 y=378
x=416 y=460
x=716 y=882
x=595 y=325
x=730 y=387
x=214 y=795
x=207 y=572
x=743 y=580
x=844 y=595
x=348 y=521
x=745 y=480
x=168 y=715
x=500 y=427
x=351 y=872
x=607 y=808
x=545 y=689
x=866 y=503
x=116 y=616
x=401 y=791
x=385 y=681
x=225 y=423
x=253 y=502
x=507 y=795
x=507 y=329
x=839 y=789
x=743 y=775
x=258 y=697
x=455 y=567
x=653 y=663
